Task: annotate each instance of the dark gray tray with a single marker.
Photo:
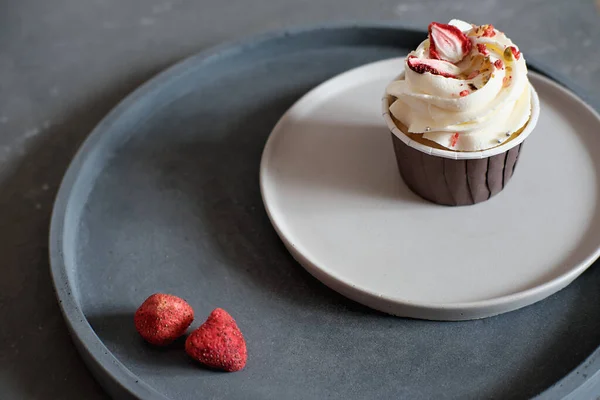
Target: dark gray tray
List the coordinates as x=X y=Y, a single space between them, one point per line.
x=164 y=196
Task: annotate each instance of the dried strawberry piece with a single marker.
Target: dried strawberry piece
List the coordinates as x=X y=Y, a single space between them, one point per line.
x=488 y=31
x=454 y=139
x=482 y=49
x=464 y=93
x=162 y=318
x=447 y=42
x=435 y=67
x=515 y=52
x=498 y=64
x=218 y=343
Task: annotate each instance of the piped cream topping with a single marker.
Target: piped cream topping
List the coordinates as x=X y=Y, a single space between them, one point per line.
x=473 y=104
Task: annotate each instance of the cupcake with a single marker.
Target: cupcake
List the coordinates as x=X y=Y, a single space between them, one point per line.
x=459 y=113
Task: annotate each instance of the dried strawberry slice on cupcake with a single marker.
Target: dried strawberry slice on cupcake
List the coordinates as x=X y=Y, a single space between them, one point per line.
x=448 y=43
x=435 y=67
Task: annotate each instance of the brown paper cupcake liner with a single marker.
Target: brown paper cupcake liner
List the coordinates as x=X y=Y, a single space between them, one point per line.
x=456 y=178
x=454 y=182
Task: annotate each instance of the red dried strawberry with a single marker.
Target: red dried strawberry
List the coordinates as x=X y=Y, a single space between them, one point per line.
x=435 y=67
x=511 y=53
x=447 y=42
x=218 y=343
x=498 y=64
x=515 y=52
x=482 y=49
x=454 y=139
x=464 y=93
x=162 y=318
x=488 y=31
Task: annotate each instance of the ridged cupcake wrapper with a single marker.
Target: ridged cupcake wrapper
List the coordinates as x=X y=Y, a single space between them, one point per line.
x=454 y=182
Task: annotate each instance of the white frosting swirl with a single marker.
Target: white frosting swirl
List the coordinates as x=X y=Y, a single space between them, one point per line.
x=484 y=109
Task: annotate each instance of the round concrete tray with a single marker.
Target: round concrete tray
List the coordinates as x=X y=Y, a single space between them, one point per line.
x=164 y=196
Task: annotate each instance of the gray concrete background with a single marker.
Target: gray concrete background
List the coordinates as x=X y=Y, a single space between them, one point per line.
x=65 y=63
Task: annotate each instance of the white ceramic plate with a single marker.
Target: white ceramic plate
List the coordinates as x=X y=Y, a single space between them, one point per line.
x=331 y=187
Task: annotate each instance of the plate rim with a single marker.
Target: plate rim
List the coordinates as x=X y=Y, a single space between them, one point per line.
x=113 y=375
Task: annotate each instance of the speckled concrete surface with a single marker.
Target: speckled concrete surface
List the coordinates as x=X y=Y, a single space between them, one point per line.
x=65 y=63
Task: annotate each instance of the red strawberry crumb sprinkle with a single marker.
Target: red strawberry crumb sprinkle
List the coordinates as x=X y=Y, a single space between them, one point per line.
x=489 y=31
x=482 y=49
x=464 y=93
x=515 y=52
x=498 y=64
x=454 y=139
